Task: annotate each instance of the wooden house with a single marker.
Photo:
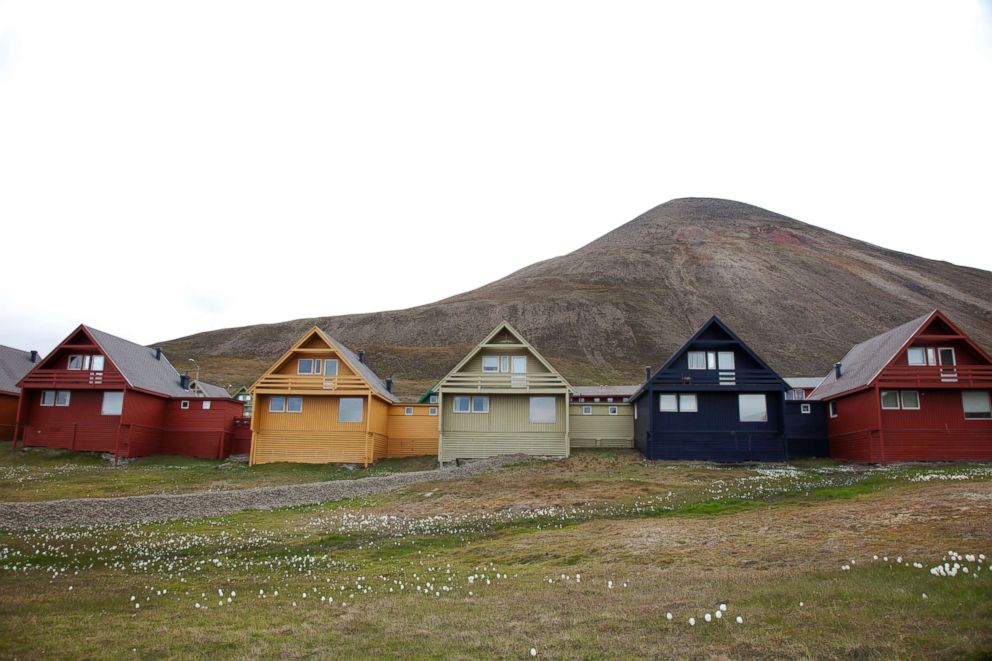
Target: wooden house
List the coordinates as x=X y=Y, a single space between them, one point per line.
x=243 y=395
x=503 y=397
x=601 y=417
x=321 y=403
x=919 y=392
x=801 y=387
x=715 y=399
x=14 y=364
x=98 y=392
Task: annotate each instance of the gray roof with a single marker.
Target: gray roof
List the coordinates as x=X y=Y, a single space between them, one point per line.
x=362 y=368
x=142 y=370
x=865 y=360
x=605 y=391
x=14 y=364
x=803 y=381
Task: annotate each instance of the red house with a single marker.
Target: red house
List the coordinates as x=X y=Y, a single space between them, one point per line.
x=101 y=393
x=14 y=364
x=919 y=392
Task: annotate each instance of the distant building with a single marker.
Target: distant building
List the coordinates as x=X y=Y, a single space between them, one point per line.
x=243 y=395
x=14 y=364
x=602 y=417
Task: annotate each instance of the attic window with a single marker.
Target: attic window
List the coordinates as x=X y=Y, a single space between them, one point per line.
x=697 y=360
x=726 y=360
x=490 y=363
x=330 y=367
x=308 y=366
x=916 y=356
x=433 y=399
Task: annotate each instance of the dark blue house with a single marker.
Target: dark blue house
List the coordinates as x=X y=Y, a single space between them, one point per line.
x=717 y=400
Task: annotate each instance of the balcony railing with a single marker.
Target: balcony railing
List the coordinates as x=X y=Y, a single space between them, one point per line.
x=74 y=379
x=717 y=378
x=278 y=383
x=489 y=381
x=937 y=376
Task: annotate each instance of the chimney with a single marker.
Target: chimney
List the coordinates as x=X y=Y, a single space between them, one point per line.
x=184 y=381
x=361 y=356
x=34 y=356
x=647 y=372
x=158 y=353
x=389 y=384
x=837 y=371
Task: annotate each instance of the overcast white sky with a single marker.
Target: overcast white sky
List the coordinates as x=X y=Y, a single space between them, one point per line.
x=171 y=167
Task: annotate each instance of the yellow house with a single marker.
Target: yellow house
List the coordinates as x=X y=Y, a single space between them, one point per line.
x=320 y=403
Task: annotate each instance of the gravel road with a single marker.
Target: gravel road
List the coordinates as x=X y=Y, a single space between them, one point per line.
x=137 y=509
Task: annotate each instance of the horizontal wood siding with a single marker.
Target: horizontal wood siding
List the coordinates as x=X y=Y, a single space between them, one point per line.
x=476 y=445
x=507 y=414
x=8 y=416
x=938 y=431
x=806 y=433
x=79 y=426
x=534 y=365
x=309 y=447
x=412 y=435
x=600 y=429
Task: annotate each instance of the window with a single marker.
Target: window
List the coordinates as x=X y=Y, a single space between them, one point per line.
x=350 y=409
x=306 y=366
x=75 y=362
x=910 y=399
x=113 y=403
x=97 y=364
x=711 y=360
x=726 y=360
x=752 y=408
x=688 y=403
x=460 y=404
x=277 y=404
x=916 y=356
x=595 y=399
x=62 y=397
x=542 y=411
x=669 y=403
x=480 y=404
x=518 y=364
x=504 y=363
x=331 y=367
x=490 y=363
x=946 y=356
x=295 y=404
x=48 y=398
x=805 y=409
x=684 y=403
x=931 y=356
x=184 y=404
x=697 y=360
x=890 y=399
x=432 y=410
x=408 y=410
x=796 y=393
x=832 y=406
x=586 y=410
x=612 y=410
x=977 y=405
x=206 y=405
x=433 y=399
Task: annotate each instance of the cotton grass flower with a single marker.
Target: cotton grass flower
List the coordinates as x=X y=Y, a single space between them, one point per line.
x=740 y=620
x=692 y=621
x=668 y=616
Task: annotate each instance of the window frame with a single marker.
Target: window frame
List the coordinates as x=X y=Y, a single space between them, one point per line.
x=719 y=359
x=751 y=397
x=902 y=400
x=480 y=398
x=832 y=408
x=310 y=369
x=698 y=355
x=103 y=363
x=805 y=408
x=289 y=403
x=988 y=401
x=361 y=409
x=330 y=361
x=587 y=410
x=661 y=398
x=277 y=398
x=688 y=396
x=492 y=368
x=68 y=364
x=513 y=364
x=44 y=396
x=68 y=398
x=456 y=399
x=205 y=405
x=613 y=410
x=184 y=404
x=923 y=356
x=940 y=358
x=407 y=410
x=898 y=402
x=103 y=402
x=432 y=411
x=554 y=410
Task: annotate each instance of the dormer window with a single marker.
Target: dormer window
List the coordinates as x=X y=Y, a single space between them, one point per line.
x=490 y=363
x=711 y=360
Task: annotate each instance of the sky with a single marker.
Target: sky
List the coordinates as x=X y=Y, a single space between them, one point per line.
x=173 y=167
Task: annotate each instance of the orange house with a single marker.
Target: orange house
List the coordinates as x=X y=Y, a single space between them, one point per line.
x=321 y=403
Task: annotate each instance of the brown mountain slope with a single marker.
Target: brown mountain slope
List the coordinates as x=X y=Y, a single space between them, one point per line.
x=800 y=295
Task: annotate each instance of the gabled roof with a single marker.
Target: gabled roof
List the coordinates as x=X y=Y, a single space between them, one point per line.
x=503 y=325
x=712 y=321
x=14 y=364
x=210 y=390
x=803 y=381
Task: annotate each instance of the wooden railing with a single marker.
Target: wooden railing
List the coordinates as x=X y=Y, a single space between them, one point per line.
x=937 y=376
x=488 y=381
x=73 y=379
x=717 y=378
x=276 y=383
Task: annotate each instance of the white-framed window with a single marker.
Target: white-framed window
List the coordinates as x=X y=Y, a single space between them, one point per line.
x=612 y=410
x=946 y=356
x=916 y=356
x=206 y=405
x=277 y=404
x=96 y=364
x=688 y=403
x=461 y=404
x=832 y=407
x=350 y=409
x=805 y=409
x=518 y=364
x=47 y=398
x=432 y=410
x=62 y=397
x=330 y=367
x=681 y=403
x=596 y=399
x=752 y=408
x=504 y=364
x=184 y=404
x=308 y=366
x=433 y=399
x=76 y=362
x=408 y=410
x=910 y=399
x=977 y=404
x=480 y=404
x=295 y=404
x=543 y=411
x=931 y=356
x=668 y=403
x=697 y=360
x=890 y=399
x=711 y=360
x=586 y=410
x=490 y=363
x=113 y=402
x=725 y=360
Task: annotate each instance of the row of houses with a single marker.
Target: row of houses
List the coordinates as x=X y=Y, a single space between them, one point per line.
x=919 y=392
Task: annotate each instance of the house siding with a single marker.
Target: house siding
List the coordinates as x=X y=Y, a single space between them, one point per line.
x=600 y=429
x=412 y=435
x=8 y=416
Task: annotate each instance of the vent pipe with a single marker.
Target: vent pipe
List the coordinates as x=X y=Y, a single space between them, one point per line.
x=158 y=353
x=184 y=381
x=34 y=356
x=837 y=371
x=361 y=356
x=647 y=372
x=389 y=384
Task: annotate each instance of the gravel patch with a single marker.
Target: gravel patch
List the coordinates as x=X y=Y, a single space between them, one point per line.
x=141 y=509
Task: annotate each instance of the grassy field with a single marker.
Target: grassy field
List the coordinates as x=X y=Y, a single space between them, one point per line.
x=582 y=558
x=41 y=474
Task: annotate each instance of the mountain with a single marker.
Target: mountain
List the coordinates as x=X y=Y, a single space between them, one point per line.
x=800 y=295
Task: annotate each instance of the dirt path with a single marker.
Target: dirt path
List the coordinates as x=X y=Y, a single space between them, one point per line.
x=137 y=509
